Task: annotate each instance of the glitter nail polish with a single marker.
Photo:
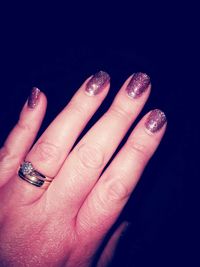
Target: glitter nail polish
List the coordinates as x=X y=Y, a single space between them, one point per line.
x=97 y=83
x=138 y=84
x=33 y=97
x=155 y=120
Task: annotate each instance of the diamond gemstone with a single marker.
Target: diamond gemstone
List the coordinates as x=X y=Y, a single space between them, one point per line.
x=27 y=168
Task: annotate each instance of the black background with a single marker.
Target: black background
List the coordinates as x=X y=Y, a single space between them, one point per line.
x=56 y=47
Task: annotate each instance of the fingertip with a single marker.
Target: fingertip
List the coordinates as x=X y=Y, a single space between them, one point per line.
x=97 y=83
x=137 y=85
x=34 y=107
x=43 y=99
x=37 y=100
x=155 y=122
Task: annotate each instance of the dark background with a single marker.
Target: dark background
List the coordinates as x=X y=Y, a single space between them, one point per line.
x=56 y=47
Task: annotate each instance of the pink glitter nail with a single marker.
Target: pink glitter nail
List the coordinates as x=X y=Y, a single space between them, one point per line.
x=155 y=120
x=137 y=85
x=97 y=83
x=33 y=97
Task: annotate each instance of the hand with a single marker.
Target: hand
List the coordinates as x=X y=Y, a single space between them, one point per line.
x=63 y=223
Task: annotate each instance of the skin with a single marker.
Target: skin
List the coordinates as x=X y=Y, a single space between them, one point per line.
x=66 y=224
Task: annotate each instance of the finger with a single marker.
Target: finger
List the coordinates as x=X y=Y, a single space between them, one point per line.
x=110 y=248
x=52 y=148
x=108 y=197
x=85 y=163
x=23 y=134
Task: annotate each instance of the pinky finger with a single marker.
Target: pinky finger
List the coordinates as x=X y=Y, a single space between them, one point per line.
x=23 y=134
x=107 y=199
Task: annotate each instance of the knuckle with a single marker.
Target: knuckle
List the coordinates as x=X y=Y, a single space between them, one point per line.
x=91 y=156
x=139 y=149
x=114 y=193
x=46 y=151
x=79 y=108
x=120 y=112
x=24 y=126
x=117 y=190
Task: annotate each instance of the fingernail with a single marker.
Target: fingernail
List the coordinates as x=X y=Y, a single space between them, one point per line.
x=97 y=83
x=138 y=84
x=33 y=97
x=155 y=120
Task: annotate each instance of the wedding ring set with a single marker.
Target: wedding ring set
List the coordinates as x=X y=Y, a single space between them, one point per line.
x=28 y=173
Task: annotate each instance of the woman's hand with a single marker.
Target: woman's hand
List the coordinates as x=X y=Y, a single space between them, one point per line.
x=66 y=223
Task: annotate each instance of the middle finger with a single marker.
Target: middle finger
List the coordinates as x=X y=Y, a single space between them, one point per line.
x=87 y=160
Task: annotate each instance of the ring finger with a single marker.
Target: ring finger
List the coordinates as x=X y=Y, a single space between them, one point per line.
x=52 y=148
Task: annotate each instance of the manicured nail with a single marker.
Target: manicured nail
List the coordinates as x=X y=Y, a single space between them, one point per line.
x=138 y=84
x=33 y=97
x=155 y=120
x=97 y=83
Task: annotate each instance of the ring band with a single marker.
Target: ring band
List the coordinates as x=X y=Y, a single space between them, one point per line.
x=28 y=173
